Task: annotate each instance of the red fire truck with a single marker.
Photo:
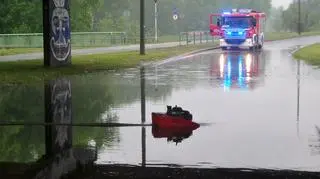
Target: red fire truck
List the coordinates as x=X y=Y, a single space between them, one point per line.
x=240 y=28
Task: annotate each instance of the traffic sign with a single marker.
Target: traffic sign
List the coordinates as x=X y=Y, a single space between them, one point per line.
x=175 y=17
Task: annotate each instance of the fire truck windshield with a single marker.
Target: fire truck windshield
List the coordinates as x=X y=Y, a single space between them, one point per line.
x=236 y=22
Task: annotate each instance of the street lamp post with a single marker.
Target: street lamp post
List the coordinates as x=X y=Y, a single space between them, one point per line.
x=156 y=20
x=299 y=17
x=142 y=38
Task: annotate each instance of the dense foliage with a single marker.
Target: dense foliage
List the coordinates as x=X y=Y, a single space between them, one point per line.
x=20 y=16
x=287 y=20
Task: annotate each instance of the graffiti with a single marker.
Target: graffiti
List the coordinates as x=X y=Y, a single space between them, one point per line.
x=62 y=112
x=60 y=42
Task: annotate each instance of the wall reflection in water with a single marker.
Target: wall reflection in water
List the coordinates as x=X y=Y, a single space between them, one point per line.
x=61 y=157
x=238 y=70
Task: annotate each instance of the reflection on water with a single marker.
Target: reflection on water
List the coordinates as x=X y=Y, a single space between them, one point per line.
x=238 y=70
x=50 y=150
x=172 y=135
x=259 y=134
x=58 y=110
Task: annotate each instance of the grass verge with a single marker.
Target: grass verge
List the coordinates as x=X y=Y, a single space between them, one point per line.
x=287 y=35
x=33 y=71
x=162 y=39
x=310 y=54
x=14 y=51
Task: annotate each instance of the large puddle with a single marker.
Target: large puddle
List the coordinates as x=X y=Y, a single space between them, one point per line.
x=260 y=110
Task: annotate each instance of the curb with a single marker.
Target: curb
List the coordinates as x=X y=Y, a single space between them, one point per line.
x=201 y=50
x=177 y=57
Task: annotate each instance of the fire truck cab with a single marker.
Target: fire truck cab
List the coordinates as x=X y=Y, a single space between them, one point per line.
x=240 y=28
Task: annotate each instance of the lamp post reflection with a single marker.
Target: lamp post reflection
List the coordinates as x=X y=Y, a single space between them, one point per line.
x=298 y=95
x=238 y=70
x=143 y=115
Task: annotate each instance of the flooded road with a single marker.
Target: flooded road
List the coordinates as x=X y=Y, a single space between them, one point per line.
x=261 y=111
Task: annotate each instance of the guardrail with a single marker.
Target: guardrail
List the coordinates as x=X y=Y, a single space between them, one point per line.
x=99 y=39
x=194 y=36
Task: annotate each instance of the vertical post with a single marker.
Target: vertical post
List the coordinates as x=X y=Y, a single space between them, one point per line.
x=46 y=32
x=299 y=17
x=194 y=37
x=156 y=20
x=207 y=37
x=187 y=38
x=142 y=38
x=56 y=33
x=283 y=24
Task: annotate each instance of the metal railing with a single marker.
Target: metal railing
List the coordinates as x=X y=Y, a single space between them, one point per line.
x=196 y=36
x=79 y=39
x=101 y=39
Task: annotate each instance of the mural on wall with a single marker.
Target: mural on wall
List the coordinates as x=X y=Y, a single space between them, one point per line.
x=60 y=42
x=61 y=111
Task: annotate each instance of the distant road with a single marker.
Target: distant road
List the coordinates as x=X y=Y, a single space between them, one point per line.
x=39 y=55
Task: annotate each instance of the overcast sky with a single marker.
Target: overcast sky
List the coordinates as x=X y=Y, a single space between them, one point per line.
x=284 y=3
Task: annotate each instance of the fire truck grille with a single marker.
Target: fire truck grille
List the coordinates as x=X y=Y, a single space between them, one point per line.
x=235 y=41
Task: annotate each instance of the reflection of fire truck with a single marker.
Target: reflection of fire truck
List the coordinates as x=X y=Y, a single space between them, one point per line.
x=238 y=70
x=239 y=28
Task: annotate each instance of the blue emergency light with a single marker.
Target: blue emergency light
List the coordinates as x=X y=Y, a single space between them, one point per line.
x=229 y=33
x=226 y=13
x=229 y=12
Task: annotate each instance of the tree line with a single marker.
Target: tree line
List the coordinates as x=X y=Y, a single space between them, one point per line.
x=21 y=16
x=287 y=19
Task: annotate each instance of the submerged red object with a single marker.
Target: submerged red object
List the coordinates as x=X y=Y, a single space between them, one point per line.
x=162 y=120
x=174 y=118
